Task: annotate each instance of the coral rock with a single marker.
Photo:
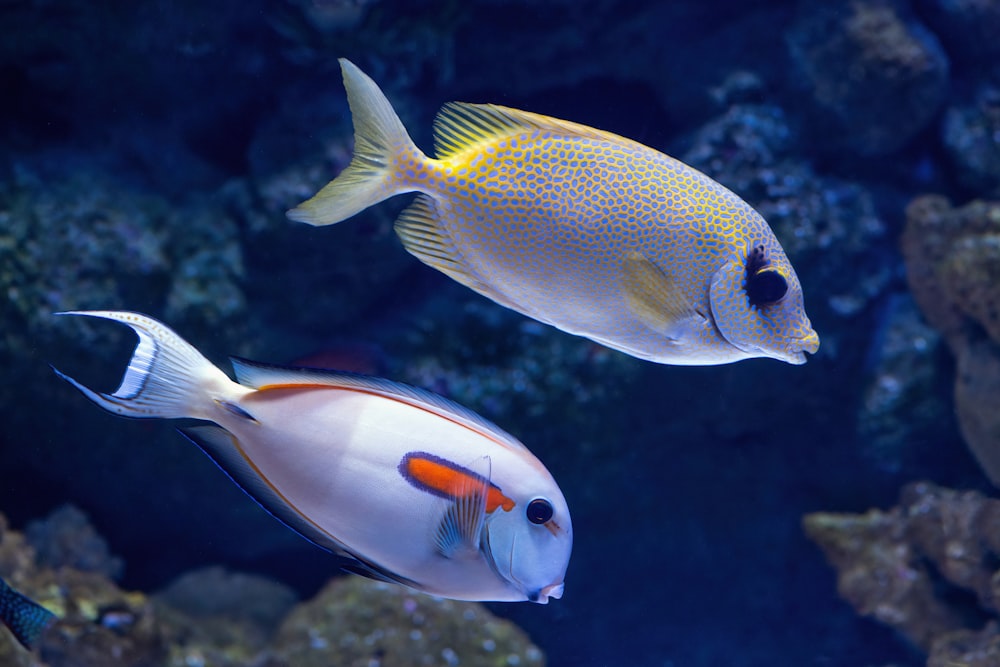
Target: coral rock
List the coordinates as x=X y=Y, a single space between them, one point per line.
x=925 y=568
x=354 y=622
x=877 y=74
x=953 y=267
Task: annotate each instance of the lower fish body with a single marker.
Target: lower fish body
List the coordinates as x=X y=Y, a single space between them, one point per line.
x=400 y=484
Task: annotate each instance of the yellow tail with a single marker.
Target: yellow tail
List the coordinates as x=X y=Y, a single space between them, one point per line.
x=379 y=137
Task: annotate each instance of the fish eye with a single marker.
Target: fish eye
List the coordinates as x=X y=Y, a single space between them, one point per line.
x=539 y=511
x=766 y=286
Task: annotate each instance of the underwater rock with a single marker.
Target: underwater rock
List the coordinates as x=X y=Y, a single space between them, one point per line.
x=967 y=648
x=66 y=538
x=77 y=237
x=904 y=413
x=526 y=375
x=876 y=75
x=925 y=568
x=219 y=618
x=97 y=621
x=355 y=622
x=953 y=267
x=83 y=239
x=969 y=134
x=968 y=28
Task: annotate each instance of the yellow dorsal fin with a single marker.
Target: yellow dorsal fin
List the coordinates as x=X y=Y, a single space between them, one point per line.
x=655 y=298
x=459 y=126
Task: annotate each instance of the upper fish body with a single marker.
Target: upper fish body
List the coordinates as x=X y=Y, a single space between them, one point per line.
x=402 y=484
x=593 y=233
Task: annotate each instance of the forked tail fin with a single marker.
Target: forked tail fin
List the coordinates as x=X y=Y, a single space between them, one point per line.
x=379 y=138
x=166 y=377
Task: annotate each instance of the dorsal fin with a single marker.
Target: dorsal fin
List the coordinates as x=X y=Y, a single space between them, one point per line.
x=264 y=376
x=460 y=125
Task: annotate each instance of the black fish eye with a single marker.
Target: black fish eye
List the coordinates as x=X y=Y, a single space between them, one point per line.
x=539 y=511
x=766 y=286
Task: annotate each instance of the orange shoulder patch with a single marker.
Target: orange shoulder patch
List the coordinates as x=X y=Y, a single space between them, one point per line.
x=447 y=479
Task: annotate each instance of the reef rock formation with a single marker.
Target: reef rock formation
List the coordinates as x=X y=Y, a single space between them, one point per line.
x=928 y=568
x=953 y=267
x=873 y=71
x=97 y=621
x=355 y=622
x=217 y=618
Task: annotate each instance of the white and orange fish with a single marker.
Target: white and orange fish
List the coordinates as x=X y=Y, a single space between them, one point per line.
x=579 y=228
x=403 y=485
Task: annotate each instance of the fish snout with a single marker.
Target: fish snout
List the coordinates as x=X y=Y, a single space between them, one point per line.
x=551 y=591
x=799 y=347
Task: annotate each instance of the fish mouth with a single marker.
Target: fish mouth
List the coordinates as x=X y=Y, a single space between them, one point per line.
x=551 y=591
x=796 y=352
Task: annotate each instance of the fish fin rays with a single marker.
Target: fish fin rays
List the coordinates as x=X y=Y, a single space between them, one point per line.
x=458 y=534
x=656 y=299
x=166 y=376
x=460 y=126
x=379 y=138
x=419 y=228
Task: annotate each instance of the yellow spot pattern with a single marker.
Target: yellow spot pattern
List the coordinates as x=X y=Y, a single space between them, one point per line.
x=543 y=218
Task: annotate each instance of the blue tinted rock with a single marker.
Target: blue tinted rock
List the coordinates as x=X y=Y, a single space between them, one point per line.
x=875 y=74
x=67 y=539
x=968 y=28
x=971 y=135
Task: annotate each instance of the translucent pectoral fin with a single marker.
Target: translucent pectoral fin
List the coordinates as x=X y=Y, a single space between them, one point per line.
x=459 y=533
x=656 y=299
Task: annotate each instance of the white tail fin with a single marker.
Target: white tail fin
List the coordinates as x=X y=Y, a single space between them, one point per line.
x=379 y=138
x=166 y=378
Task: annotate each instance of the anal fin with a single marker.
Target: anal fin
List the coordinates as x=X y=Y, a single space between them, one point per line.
x=419 y=228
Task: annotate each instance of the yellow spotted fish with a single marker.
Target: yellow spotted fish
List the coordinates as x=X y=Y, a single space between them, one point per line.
x=590 y=232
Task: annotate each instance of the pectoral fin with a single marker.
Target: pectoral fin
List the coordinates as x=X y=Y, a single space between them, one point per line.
x=656 y=299
x=459 y=533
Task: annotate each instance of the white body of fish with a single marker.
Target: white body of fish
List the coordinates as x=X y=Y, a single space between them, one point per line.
x=403 y=485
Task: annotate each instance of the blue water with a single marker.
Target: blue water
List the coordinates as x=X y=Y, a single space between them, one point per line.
x=150 y=149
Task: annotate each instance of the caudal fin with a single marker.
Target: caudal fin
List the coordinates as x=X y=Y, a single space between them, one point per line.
x=379 y=138
x=166 y=377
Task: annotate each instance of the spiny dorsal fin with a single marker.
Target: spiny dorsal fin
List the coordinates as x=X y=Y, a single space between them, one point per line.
x=460 y=125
